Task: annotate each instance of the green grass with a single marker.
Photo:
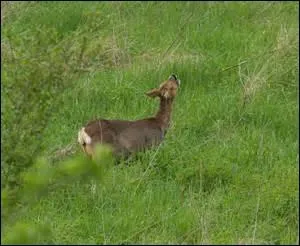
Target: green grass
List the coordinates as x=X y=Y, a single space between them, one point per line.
x=227 y=171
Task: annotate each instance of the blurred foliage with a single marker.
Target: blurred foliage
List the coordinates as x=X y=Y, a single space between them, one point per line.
x=38 y=181
x=38 y=63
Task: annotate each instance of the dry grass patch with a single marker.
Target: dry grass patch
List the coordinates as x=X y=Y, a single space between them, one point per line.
x=269 y=65
x=180 y=57
x=252 y=83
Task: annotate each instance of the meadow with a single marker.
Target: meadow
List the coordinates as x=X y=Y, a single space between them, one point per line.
x=227 y=171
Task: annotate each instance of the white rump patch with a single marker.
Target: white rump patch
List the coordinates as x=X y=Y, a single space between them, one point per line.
x=83 y=138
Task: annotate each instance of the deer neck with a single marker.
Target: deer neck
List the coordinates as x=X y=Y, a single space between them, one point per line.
x=164 y=113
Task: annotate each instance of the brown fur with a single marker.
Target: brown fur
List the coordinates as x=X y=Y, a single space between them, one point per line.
x=126 y=137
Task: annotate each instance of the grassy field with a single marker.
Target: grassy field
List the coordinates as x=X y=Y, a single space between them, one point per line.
x=227 y=172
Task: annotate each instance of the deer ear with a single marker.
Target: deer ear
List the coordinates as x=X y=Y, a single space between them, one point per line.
x=153 y=93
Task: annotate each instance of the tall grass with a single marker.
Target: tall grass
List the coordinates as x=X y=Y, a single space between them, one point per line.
x=227 y=171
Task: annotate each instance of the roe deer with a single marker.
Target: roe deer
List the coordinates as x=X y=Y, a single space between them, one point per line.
x=127 y=137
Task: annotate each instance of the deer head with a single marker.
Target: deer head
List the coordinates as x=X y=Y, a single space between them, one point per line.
x=167 y=89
